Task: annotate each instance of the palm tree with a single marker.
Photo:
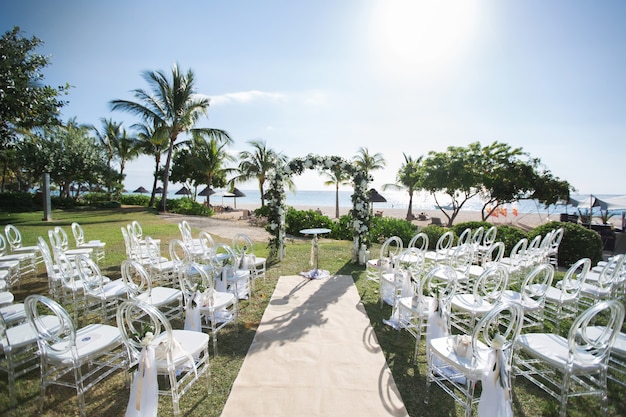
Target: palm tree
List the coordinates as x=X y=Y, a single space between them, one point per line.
x=128 y=148
x=171 y=104
x=207 y=154
x=109 y=138
x=256 y=164
x=336 y=177
x=367 y=162
x=408 y=178
x=152 y=141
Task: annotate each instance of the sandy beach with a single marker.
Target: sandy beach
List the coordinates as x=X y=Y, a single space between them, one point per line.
x=525 y=221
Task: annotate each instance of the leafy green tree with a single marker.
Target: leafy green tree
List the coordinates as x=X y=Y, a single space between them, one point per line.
x=109 y=137
x=56 y=151
x=128 y=148
x=171 y=103
x=255 y=164
x=25 y=103
x=203 y=162
x=408 y=178
x=368 y=162
x=336 y=177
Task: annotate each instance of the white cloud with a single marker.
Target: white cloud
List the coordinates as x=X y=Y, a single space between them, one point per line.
x=246 y=97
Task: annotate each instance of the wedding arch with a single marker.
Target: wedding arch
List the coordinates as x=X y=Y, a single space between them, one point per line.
x=360 y=211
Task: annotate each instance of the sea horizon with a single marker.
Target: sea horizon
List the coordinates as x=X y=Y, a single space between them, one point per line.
x=395 y=200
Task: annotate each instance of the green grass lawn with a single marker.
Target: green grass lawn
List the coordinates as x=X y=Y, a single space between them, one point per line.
x=110 y=398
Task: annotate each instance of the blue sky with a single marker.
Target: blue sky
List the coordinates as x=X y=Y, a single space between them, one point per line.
x=331 y=76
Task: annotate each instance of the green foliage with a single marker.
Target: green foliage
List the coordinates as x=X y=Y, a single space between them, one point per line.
x=296 y=220
x=135 y=200
x=16 y=202
x=382 y=228
x=262 y=211
x=343 y=229
x=188 y=206
x=63 y=202
x=510 y=235
x=433 y=233
x=578 y=242
x=458 y=228
x=94 y=199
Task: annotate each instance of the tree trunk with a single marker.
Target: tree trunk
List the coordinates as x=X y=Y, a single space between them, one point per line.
x=337 y=200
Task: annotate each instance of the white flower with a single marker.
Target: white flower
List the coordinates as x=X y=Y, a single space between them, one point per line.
x=273 y=226
x=147 y=338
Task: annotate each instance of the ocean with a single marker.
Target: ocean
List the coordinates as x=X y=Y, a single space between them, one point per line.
x=395 y=200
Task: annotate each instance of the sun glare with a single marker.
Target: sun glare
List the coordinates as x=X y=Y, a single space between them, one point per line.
x=422 y=36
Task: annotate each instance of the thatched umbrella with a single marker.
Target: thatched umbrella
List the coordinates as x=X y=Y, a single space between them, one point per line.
x=159 y=190
x=183 y=191
x=141 y=190
x=375 y=197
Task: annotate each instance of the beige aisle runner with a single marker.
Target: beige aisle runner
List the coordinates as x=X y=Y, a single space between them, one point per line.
x=314 y=354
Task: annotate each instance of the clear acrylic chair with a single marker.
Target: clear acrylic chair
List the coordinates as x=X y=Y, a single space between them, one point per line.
x=617 y=358
x=139 y=287
x=515 y=261
x=532 y=295
x=575 y=365
x=466 y=308
x=605 y=284
x=99 y=290
x=70 y=357
x=26 y=260
x=390 y=249
x=59 y=242
x=97 y=246
x=194 y=245
x=419 y=241
x=181 y=356
x=561 y=300
x=162 y=271
x=431 y=293
x=456 y=364
x=14 y=238
x=442 y=249
x=555 y=243
x=243 y=246
x=217 y=308
x=488 y=239
x=233 y=278
x=19 y=349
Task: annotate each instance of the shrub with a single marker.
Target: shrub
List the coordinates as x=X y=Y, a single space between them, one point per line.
x=433 y=233
x=510 y=235
x=458 y=228
x=16 y=202
x=382 y=228
x=578 y=242
x=263 y=211
x=187 y=206
x=296 y=220
x=342 y=229
x=135 y=200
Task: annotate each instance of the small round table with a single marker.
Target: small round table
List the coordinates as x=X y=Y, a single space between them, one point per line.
x=315 y=273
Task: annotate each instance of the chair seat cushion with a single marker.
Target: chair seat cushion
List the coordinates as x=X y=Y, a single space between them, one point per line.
x=515 y=297
x=13 y=313
x=554 y=350
x=161 y=296
x=190 y=344
x=466 y=302
x=91 y=340
x=619 y=346
x=442 y=347
x=555 y=295
x=24 y=334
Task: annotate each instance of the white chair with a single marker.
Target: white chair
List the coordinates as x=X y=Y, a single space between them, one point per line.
x=464 y=238
x=390 y=249
x=532 y=294
x=442 y=249
x=194 y=246
x=181 y=356
x=488 y=239
x=233 y=278
x=26 y=260
x=456 y=364
x=467 y=308
x=70 y=357
x=14 y=237
x=162 y=271
x=217 y=308
x=515 y=261
x=561 y=301
x=59 y=242
x=139 y=287
x=603 y=285
x=97 y=246
x=617 y=358
x=419 y=241
x=432 y=294
x=476 y=240
x=243 y=246
x=72 y=286
x=553 y=250
x=98 y=289
x=492 y=255
x=19 y=350
x=575 y=365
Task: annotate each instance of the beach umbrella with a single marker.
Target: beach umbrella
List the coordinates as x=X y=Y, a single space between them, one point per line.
x=183 y=191
x=206 y=192
x=141 y=190
x=159 y=190
x=83 y=188
x=375 y=197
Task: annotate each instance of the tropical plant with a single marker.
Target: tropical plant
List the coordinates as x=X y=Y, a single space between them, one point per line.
x=257 y=163
x=367 y=162
x=171 y=103
x=408 y=178
x=336 y=177
x=153 y=141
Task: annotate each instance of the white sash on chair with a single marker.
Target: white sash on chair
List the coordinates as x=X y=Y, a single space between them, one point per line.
x=144 y=393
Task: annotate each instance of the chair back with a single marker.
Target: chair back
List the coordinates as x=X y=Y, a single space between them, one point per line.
x=519 y=251
x=419 y=241
x=3 y=245
x=242 y=244
x=504 y=323
x=13 y=235
x=611 y=271
x=135 y=319
x=79 y=235
x=136 y=230
x=57 y=339
x=490 y=284
x=127 y=244
x=90 y=274
x=536 y=283
x=136 y=279
x=55 y=240
x=391 y=248
x=445 y=241
x=574 y=278
x=490 y=236
x=62 y=237
x=593 y=347
x=462 y=258
x=494 y=254
x=465 y=237
x=477 y=237
x=411 y=260
x=439 y=284
x=67 y=271
x=179 y=252
x=195 y=277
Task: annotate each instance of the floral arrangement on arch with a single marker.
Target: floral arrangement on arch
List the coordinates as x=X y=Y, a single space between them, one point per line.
x=276 y=200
